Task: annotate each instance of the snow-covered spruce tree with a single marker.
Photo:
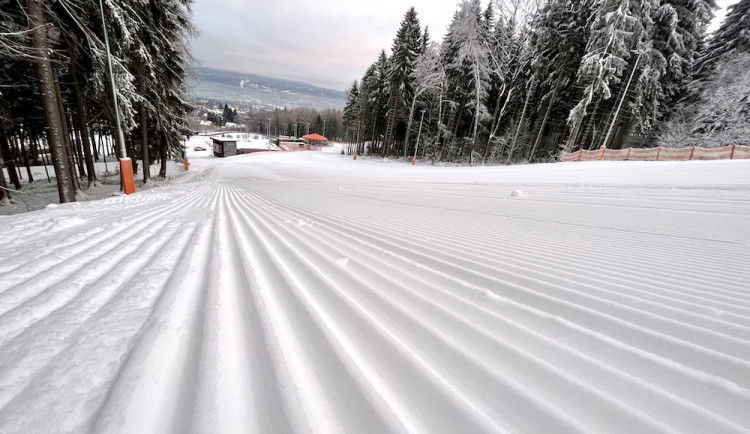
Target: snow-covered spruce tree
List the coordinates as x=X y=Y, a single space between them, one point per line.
x=558 y=44
x=667 y=58
x=379 y=98
x=617 y=29
x=466 y=59
x=406 y=47
x=351 y=112
x=163 y=78
x=732 y=37
x=509 y=63
x=716 y=112
x=721 y=114
x=429 y=77
x=366 y=108
x=679 y=28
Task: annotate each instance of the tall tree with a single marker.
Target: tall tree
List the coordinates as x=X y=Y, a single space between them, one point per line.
x=406 y=47
x=617 y=28
x=50 y=99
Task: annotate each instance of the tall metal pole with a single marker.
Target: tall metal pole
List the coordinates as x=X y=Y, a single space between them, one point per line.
x=120 y=135
x=419 y=134
x=356 y=145
x=612 y=125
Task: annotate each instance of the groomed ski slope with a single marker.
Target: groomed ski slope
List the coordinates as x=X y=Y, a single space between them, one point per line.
x=309 y=292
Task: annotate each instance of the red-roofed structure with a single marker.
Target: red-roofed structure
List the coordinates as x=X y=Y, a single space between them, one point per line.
x=315 y=138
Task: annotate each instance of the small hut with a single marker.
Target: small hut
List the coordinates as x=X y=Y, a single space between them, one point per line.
x=315 y=139
x=224 y=146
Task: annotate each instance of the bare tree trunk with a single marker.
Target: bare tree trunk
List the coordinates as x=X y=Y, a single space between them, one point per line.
x=495 y=120
x=503 y=110
x=76 y=140
x=144 y=133
x=532 y=89
x=69 y=151
x=4 y=193
x=571 y=143
x=408 y=124
x=50 y=103
x=390 y=122
x=590 y=127
x=130 y=146
x=21 y=146
x=163 y=147
x=43 y=157
x=539 y=136
x=7 y=154
x=83 y=128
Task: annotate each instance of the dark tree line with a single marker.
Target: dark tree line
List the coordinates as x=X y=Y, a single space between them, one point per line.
x=295 y=122
x=56 y=99
x=516 y=82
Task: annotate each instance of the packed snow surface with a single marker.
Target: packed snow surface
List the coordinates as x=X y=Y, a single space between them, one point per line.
x=309 y=292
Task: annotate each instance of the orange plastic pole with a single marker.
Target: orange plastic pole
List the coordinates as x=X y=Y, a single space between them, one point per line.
x=126 y=171
x=601 y=154
x=186 y=164
x=413 y=161
x=355 y=155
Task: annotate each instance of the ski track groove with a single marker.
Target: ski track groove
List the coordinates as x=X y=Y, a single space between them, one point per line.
x=139 y=397
x=530 y=242
x=723 y=397
x=245 y=303
x=69 y=357
x=724 y=308
x=87 y=249
x=511 y=216
x=499 y=245
x=685 y=271
x=730 y=346
x=685 y=417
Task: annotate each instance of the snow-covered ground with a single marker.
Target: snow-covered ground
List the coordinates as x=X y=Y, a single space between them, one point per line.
x=310 y=292
x=43 y=191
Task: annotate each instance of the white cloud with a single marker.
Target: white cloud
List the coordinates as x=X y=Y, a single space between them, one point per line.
x=328 y=44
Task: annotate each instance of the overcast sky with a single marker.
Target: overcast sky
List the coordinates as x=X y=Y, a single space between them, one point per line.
x=327 y=43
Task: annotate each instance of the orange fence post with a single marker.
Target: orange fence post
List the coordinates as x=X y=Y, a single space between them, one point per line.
x=731 y=156
x=414 y=161
x=186 y=164
x=601 y=154
x=692 y=151
x=658 y=152
x=355 y=155
x=126 y=172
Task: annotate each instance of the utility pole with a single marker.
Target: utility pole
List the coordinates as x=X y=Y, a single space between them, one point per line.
x=614 y=118
x=419 y=134
x=126 y=166
x=356 y=144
